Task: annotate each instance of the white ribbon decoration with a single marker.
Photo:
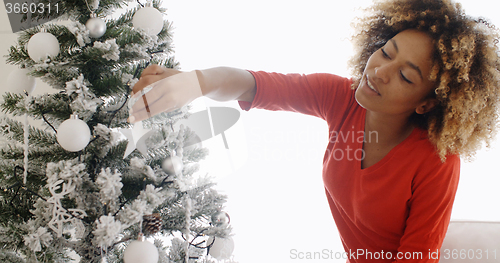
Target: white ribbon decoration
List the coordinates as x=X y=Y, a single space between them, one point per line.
x=26 y=140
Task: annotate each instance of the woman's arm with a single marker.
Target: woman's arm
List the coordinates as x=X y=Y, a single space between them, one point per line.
x=224 y=84
x=320 y=94
x=430 y=211
x=173 y=89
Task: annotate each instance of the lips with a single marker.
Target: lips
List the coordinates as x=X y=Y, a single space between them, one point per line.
x=371 y=86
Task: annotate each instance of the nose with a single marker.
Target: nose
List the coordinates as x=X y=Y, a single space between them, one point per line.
x=382 y=74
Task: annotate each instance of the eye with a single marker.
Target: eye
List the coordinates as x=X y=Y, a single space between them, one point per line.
x=385 y=54
x=404 y=77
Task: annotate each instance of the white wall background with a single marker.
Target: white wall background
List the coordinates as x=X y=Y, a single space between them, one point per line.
x=276 y=197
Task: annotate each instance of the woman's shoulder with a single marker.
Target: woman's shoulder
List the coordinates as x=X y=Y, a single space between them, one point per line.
x=425 y=151
x=331 y=79
x=312 y=78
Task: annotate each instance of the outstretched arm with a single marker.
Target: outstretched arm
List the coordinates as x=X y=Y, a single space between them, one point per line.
x=164 y=89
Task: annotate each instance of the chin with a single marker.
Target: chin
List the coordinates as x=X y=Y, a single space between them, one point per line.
x=360 y=100
x=367 y=101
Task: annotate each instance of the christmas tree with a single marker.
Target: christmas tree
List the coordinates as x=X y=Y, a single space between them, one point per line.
x=88 y=184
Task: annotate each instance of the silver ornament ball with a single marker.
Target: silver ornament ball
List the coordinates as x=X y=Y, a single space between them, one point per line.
x=96 y=26
x=220 y=219
x=172 y=165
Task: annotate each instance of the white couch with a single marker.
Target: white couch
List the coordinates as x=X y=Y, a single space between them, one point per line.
x=471 y=242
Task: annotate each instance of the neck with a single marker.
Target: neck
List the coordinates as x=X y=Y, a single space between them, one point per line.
x=390 y=129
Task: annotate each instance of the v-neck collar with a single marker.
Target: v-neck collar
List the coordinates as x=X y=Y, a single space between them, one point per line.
x=387 y=157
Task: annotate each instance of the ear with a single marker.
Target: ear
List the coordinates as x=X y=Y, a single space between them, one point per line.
x=426 y=106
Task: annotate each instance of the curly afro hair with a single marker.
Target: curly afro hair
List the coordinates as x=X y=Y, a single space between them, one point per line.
x=465 y=68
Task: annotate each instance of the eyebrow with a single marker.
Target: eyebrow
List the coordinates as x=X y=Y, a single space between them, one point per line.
x=413 y=66
x=394 y=44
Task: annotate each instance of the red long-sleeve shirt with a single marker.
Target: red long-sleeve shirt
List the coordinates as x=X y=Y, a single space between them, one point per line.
x=396 y=210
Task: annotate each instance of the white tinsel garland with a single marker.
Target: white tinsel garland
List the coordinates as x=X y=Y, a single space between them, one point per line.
x=162 y=251
x=140 y=166
x=148 y=41
x=11 y=257
x=42 y=212
x=110 y=48
x=164 y=120
x=107 y=138
x=139 y=51
x=184 y=183
x=80 y=32
x=64 y=170
x=110 y=185
x=107 y=231
x=37 y=238
x=170 y=141
x=43 y=65
x=77 y=85
x=85 y=107
x=133 y=213
x=176 y=249
x=144 y=204
x=152 y=195
x=107 y=134
x=86 y=103
x=47 y=99
x=4 y=125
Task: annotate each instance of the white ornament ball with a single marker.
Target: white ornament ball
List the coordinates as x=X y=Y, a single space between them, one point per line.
x=19 y=81
x=140 y=252
x=172 y=165
x=43 y=45
x=222 y=248
x=96 y=27
x=73 y=134
x=149 y=19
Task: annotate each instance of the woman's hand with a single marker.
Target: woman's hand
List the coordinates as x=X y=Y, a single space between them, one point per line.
x=161 y=90
x=151 y=75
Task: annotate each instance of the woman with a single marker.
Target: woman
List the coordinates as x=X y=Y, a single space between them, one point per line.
x=424 y=91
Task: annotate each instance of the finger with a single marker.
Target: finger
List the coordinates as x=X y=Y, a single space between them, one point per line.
x=157 y=97
x=142 y=105
x=151 y=85
x=153 y=70
x=151 y=109
x=139 y=111
x=144 y=82
x=153 y=74
x=141 y=102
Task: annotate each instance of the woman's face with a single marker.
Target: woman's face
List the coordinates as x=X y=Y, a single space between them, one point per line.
x=396 y=77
